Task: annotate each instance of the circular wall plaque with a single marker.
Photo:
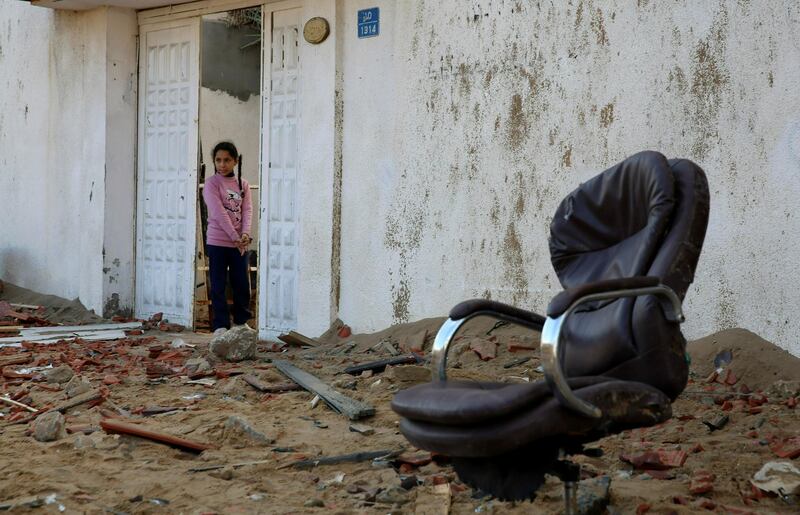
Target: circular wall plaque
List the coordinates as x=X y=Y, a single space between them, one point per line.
x=316 y=30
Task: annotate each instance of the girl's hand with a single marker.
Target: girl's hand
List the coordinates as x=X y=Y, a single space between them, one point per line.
x=243 y=243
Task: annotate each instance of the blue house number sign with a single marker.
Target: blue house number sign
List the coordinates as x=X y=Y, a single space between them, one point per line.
x=369 y=22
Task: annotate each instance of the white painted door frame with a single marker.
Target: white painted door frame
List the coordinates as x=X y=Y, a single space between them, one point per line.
x=190 y=15
x=277 y=302
x=167 y=169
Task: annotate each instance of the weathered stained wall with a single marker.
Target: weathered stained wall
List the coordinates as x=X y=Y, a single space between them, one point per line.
x=465 y=123
x=53 y=142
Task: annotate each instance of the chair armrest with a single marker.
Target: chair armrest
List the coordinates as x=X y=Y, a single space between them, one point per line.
x=475 y=307
x=562 y=301
x=466 y=310
x=552 y=353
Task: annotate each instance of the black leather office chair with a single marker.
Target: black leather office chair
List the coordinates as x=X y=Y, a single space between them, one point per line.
x=624 y=245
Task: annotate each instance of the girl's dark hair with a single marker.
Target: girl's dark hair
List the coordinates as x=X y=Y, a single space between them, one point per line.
x=227 y=146
x=230 y=148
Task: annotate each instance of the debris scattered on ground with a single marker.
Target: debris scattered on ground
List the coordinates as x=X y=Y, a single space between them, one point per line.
x=235 y=344
x=778 y=477
x=380 y=365
x=49 y=427
x=61 y=374
x=181 y=391
x=125 y=428
x=240 y=433
x=593 y=495
x=339 y=402
x=295 y=338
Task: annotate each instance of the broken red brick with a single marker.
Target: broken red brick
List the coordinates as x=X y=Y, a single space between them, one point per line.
x=791 y=402
x=727 y=406
x=656 y=460
x=706 y=504
x=643 y=508
x=697 y=448
x=111 y=379
x=730 y=378
x=788 y=448
x=679 y=499
x=344 y=332
x=744 y=389
x=456 y=488
x=702 y=482
x=485 y=349
x=660 y=474
x=406 y=468
x=418 y=459
x=514 y=346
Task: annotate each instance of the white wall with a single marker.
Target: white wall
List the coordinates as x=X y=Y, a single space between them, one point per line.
x=318 y=65
x=120 y=153
x=466 y=123
x=53 y=126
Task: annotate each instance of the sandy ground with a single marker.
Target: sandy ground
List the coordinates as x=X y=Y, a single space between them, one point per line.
x=90 y=471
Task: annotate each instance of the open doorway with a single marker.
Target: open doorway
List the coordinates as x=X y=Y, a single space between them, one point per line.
x=229 y=110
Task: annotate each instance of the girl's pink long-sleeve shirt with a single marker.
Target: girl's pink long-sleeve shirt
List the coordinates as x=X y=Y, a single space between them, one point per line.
x=229 y=216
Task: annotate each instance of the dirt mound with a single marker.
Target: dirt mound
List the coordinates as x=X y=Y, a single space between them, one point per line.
x=755 y=361
x=56 y=309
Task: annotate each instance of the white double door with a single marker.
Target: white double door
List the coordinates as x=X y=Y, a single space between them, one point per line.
x=168 y=165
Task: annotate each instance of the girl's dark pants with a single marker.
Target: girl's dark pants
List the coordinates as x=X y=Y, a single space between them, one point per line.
x=223 y=260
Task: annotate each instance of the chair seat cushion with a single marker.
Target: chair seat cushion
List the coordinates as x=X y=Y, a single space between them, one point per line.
x=469 y=402
x=625 y=404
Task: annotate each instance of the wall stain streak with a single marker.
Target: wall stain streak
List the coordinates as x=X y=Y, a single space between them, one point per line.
x=607 y=115
x=709 y=79
x=517 y=123
x=514 y=264
x=599 y=28
x=566 y=158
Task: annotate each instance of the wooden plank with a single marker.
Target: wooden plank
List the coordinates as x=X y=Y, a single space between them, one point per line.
x=16 y=359
x=23 y=306
x=11 y=328
x=33 y=331
x=380 y=365
x=295 y=338
x=340 y=403
x=16 y=341
x=78 y=400
x=115 y=426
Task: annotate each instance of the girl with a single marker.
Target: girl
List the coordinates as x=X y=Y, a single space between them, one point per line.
x=230 y=211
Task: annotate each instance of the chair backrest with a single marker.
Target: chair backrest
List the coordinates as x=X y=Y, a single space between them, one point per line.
x=643 y=216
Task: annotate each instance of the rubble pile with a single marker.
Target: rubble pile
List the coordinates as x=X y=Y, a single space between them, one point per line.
x=158 y=419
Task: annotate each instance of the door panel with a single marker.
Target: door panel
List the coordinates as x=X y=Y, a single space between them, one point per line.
x=167 y=172
x=280 y=232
